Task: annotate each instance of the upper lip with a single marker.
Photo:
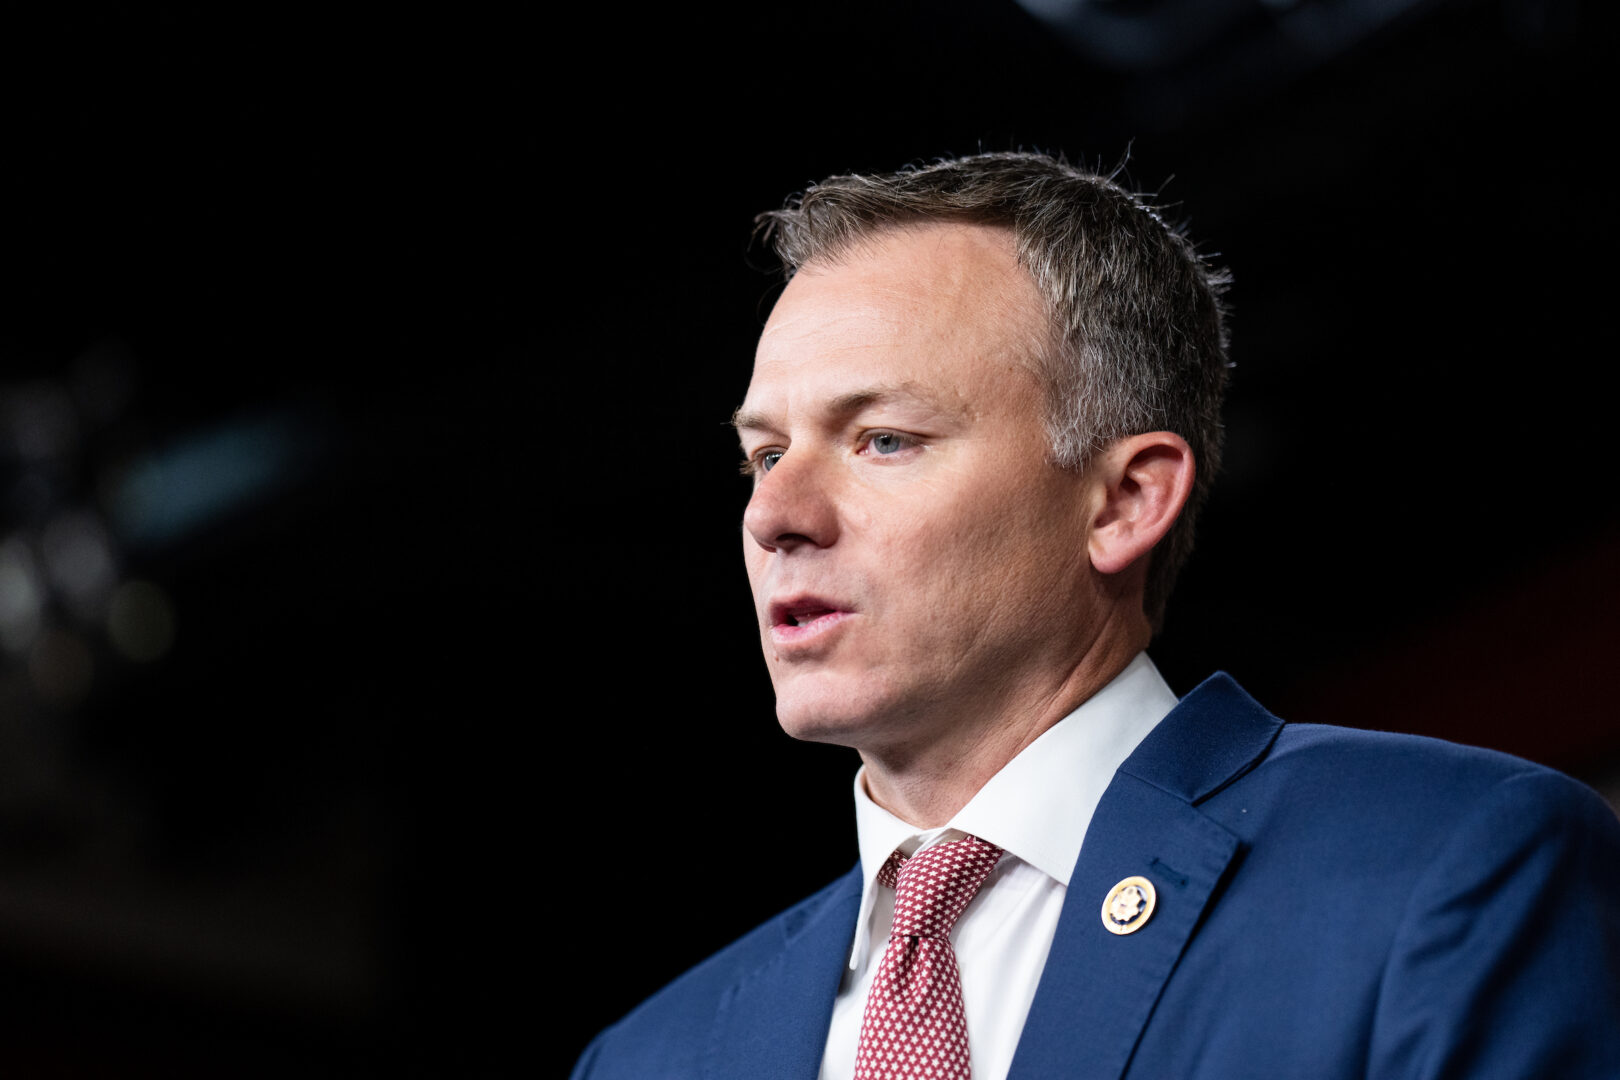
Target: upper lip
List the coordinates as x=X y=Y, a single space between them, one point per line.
x=789 y=610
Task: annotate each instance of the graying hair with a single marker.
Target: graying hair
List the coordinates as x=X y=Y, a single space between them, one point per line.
x=1138 y=322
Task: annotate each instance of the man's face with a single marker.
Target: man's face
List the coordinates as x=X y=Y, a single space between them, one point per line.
x=916 y=561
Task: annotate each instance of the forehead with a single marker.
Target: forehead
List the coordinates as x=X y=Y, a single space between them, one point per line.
x=941 y=307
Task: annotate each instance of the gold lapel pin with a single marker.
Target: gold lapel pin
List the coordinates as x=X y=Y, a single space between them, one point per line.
x=1129 y=905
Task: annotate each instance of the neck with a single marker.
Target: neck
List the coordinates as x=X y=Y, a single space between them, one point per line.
x=926 y=783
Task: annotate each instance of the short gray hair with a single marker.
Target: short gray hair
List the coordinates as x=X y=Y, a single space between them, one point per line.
x=1137 y=317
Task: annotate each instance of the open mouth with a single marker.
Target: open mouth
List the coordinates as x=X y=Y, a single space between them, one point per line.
x=803 y=615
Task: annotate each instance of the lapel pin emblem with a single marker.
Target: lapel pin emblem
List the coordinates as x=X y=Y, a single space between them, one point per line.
x=1129 y=905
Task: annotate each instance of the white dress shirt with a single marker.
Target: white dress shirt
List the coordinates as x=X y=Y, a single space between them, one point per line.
x=1036 y=809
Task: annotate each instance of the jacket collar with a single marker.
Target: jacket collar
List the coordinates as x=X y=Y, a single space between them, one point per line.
x=1214 y=736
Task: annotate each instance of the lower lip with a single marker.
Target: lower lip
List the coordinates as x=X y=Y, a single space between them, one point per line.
x=788 y=634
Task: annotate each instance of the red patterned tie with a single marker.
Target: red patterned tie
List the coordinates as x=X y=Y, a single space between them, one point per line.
x=914 y=1027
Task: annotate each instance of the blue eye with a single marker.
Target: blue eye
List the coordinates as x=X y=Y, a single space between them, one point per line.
x=887 y=443
x=761 y=463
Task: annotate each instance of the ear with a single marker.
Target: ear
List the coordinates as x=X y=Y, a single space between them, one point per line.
x=1144 y=481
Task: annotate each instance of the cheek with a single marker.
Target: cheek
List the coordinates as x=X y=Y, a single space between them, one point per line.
x=1011 y=545
x=925 y=571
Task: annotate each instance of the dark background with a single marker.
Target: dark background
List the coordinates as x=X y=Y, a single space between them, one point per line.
x=379 y=692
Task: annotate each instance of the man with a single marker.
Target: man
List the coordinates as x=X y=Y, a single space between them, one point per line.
x=983 y=414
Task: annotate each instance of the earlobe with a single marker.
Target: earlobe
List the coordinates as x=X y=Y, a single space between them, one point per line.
x=1144 y=481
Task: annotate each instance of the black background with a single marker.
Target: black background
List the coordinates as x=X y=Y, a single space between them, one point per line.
x=463 y=714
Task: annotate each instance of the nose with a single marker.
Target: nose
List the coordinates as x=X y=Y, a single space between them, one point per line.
x=792 y=506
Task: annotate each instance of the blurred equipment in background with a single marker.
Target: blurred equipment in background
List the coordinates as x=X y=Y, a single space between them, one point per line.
x=99 y=512
x=1181 y=58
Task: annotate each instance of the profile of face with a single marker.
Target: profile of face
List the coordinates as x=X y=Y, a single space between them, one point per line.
x=916 y=559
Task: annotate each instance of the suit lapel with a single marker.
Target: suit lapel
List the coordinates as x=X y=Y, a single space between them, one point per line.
x=774 y=1021
x=1098 y=989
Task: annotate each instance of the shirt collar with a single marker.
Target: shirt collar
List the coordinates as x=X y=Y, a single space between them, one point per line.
x=1038 y=807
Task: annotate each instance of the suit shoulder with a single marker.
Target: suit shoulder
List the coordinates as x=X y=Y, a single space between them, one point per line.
x=1391 y=797
x=1359 y=755
x=1231 y=740
x=669 y=1025
x=1457 y=909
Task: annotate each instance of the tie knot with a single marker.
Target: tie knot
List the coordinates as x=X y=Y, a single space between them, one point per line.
x=932 y=887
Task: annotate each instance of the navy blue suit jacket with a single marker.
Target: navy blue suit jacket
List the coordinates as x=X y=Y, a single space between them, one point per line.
x=1331 y=903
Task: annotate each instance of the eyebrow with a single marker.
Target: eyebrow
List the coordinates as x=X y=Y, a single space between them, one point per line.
x=846 y=404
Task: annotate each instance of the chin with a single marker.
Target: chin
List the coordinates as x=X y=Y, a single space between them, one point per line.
x=813 y=711
x=839 y=728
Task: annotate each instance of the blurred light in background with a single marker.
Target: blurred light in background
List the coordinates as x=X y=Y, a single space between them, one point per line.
x=79 y=562
x=22 y=596
x=83 y=493
x=169 y=494
x=1267 y=38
